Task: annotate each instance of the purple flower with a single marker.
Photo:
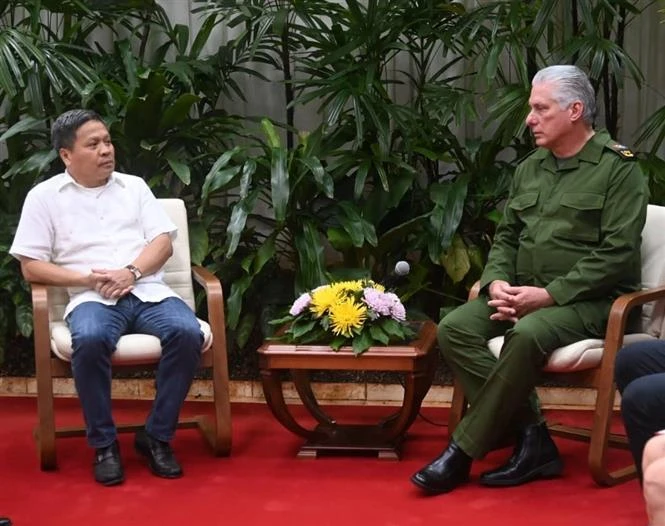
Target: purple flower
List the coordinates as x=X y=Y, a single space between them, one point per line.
x=300 y=304
x=377 y=301
x=398 y=312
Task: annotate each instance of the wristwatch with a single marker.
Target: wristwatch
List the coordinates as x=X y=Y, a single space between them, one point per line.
x=136 y=271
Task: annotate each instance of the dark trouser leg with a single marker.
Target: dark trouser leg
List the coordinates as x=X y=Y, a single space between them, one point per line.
x=174 y=323
x=640 y=378
x=502 y=397
x=96 y=329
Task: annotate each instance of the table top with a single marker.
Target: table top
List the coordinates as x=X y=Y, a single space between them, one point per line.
x=401 y=357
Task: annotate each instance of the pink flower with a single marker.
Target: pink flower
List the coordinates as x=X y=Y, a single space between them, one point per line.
x=398 y=312
x=300 y=304
x=377 y=301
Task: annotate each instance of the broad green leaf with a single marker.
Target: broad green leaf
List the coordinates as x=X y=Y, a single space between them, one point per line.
x=361 y=343
x=234 y=303
x=179 y=168
x=279 y=183
x=271 y=133
x=25 y=124
x=198 y=242
x=456 y=260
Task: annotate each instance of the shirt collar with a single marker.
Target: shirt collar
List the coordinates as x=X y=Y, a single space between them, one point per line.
x=591 y=152
x=66 y=179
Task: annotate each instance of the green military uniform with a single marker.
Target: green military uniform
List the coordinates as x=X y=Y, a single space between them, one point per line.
x=572 y=226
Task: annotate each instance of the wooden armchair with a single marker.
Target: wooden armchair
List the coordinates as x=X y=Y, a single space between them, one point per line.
x=590 y=363
x=134 y=351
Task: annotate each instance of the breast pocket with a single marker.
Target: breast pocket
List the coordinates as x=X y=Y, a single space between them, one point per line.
x=579 y=217
x=524 y=206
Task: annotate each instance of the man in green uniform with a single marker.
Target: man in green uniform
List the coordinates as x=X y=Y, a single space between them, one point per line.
x=568 y=245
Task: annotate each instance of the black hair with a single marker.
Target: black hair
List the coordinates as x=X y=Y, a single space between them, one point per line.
x=63 y=131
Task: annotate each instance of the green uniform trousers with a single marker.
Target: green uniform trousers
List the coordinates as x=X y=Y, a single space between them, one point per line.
x=501 y=393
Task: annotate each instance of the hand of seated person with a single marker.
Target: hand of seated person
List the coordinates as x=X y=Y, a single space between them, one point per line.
x=501 y=300
x=113 y=283
x=515 y=302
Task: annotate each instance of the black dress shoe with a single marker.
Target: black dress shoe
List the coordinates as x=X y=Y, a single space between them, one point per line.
x=5 y=521
x=161 y=460
x=108 y=466
x=535 y=457
x=446 y=472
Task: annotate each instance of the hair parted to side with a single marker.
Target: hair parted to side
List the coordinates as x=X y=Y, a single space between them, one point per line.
x=571 y=85
x=63 y=131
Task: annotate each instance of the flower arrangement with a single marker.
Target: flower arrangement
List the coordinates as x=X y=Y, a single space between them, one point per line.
x=358 y=313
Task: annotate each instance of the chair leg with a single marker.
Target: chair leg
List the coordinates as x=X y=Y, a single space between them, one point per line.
x=218 y=431
x=45 y=431
x=599 y=441
x=457 y=407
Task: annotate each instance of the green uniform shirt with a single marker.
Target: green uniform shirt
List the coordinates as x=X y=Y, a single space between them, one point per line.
x=573 y=225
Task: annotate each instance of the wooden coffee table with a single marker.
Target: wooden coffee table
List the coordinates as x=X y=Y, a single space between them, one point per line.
x=416 y=360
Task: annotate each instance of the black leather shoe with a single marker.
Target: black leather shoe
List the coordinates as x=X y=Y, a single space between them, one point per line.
x=161 y=460
x=108 y=466
x=446 y=472
x=535 y=457
x=5 y=521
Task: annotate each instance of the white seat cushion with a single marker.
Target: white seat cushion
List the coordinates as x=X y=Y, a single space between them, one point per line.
x=132 y=349
x=578 y=356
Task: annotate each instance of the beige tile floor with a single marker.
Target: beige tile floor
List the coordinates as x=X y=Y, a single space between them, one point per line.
x=327 y=393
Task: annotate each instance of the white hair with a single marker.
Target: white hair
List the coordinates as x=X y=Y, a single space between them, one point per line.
x=571 y=85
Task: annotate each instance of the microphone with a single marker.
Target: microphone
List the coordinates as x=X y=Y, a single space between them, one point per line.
x=402 y=269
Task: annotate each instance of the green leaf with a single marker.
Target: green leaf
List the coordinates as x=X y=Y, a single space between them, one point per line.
x=179 y=168
x=198 y=242
x=178 y=112
x=279 y=183
x=361 y=343
x=447 y=213
x=338 y=342
x=25 y=124
x=338 y=239
x=271 y=134
x=24 y=319
x=264 y=254
x=392 y=327
x=300 y=329
x=245 y=328
x=379 y=335
x=456 y=260
x=234 y=303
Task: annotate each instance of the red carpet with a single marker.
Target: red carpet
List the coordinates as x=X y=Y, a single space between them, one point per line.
x=263 y=483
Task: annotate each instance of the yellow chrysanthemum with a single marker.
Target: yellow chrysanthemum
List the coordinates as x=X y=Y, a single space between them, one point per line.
x=346 y=316
x=348 y=286
x=323 y=298
x=378 y=287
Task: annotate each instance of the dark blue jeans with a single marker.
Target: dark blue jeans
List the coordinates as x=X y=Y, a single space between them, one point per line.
x=96 y=329
x=640 y=378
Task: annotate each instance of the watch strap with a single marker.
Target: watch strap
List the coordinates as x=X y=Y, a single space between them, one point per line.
x=136 y=271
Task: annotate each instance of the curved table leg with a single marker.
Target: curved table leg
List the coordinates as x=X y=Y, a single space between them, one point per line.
x=272 y=389
x=384 y=438
x=420 y=383
x=304 y=389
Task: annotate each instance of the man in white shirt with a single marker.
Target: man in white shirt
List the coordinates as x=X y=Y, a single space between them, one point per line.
x=103 y=235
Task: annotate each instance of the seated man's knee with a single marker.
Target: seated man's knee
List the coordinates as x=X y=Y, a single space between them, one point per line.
x=91 y=343
x=521 y=339
x=186 y=334
x=448 y=332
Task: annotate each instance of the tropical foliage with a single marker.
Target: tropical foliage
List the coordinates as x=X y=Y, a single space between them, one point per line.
x=419 y=122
